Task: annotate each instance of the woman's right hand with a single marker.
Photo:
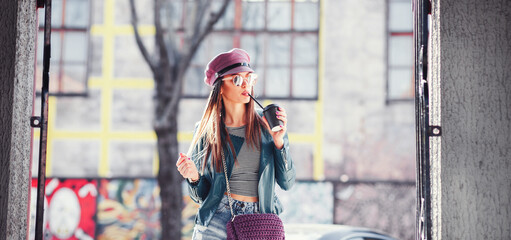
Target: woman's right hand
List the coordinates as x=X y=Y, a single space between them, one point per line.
x=187 y=168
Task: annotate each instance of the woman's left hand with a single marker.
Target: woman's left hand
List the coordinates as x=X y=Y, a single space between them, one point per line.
x=278 y=137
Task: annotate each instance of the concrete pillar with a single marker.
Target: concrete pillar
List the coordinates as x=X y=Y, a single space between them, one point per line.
x=17 y=53
x=470 y=63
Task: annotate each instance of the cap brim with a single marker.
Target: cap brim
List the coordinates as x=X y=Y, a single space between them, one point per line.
x=238 y=70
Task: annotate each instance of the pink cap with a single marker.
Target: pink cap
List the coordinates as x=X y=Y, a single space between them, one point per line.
x=234 y=61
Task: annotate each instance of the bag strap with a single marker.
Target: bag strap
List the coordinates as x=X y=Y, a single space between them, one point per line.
x=227 y=185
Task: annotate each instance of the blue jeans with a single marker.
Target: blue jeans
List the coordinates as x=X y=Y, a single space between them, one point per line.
x=216 y=228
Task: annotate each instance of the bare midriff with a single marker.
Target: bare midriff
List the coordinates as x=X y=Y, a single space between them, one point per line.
x=244 y=198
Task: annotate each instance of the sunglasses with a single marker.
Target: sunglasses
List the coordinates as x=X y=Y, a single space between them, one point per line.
x=238 y=79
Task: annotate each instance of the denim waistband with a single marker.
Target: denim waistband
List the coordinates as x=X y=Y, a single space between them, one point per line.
x=240 y=207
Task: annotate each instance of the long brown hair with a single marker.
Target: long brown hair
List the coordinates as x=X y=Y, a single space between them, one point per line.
x=212 y=127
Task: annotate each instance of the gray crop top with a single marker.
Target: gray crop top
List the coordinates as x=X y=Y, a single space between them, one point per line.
x=245 y=175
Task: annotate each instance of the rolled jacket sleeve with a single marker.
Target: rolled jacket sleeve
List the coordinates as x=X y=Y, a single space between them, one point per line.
x=199 y=189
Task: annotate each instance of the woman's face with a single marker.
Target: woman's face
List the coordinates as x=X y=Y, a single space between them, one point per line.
x=237 y=94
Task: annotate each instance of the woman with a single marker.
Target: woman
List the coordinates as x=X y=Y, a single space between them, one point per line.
x=255 y=157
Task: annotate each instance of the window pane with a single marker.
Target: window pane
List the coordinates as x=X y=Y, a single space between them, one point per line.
x=54 y=77
x=175 y=13
x=252 y=15
x=305 y=50
x=400 y=83
x=194 y=82
x=400 y=16
x=400 y=51
x=220 y=43
x=56 y=14
x=306 y=15
x=77 y=13
x=201 y=55
x=279 y=15
x=74 y=78
x=55 y=47
x=227 y=20
x=214 y=44
x=261 y=82
x=305 y=82
x=254 y=45
x=277 y=82
x=122 y=12
x=278 y=50
x=40 y=47
x=75 y=47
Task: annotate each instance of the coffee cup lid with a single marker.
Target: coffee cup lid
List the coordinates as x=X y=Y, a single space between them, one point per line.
x=270 y=106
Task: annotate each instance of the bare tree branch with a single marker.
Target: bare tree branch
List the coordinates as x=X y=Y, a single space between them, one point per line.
x=141 y=46
x=200 y=16
x=160 y=42
x=214 y=17
x=168 y=64
x=176 y=91
x=170 y=37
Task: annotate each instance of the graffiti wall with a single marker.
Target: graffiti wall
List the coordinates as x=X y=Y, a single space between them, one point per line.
x=128 y=209
x=121 y=209
x=84 y=209
x=70 y=208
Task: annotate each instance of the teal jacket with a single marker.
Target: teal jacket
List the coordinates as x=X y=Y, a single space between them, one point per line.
x=276 y=166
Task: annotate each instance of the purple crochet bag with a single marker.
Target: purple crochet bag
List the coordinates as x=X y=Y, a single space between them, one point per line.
x=255 y=226
x=258 y=226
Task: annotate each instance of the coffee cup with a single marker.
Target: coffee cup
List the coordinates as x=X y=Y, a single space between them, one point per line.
x=270 y=113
